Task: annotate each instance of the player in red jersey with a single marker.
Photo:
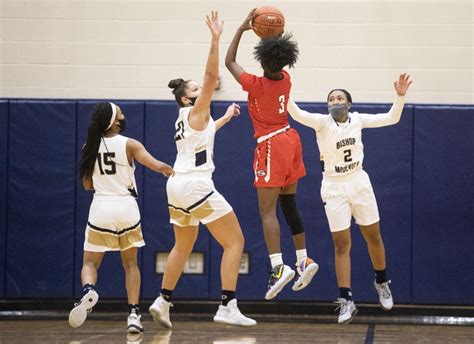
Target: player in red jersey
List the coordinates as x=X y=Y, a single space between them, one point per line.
x=278 y=161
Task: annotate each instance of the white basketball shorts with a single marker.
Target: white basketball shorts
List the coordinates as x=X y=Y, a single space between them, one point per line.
x=347 y=196
x=113 y=224
x=193 y=199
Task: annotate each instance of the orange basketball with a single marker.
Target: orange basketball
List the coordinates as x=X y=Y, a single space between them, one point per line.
x=268 y=21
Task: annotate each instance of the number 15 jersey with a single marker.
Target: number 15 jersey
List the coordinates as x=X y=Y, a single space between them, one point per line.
x=113 y=175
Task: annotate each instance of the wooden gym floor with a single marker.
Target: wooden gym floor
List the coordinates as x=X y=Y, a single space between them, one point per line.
x=113 y=331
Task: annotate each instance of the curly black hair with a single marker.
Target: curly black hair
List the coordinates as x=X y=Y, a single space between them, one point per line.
x=274 y=53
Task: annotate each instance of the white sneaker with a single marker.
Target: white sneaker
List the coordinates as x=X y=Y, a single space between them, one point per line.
x=134 y=325
x=306 y=271
x=385 y=295
x=279 y=277
x=231 y=315
x=160 y=311
x=347 y=310
x=78 y=314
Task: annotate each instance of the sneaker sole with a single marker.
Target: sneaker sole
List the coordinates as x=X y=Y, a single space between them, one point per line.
x=157 y=317
x=348 y=321
x=272 y=294
x=226 y=321
x=308 y=277
x=133 y=329
x=78 y=314
x=385 y=309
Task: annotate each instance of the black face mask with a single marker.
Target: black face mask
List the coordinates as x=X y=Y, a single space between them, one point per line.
x=123 y=124
x=193 y=100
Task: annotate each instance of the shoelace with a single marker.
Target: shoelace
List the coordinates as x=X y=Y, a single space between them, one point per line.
x=385 y=290
x=342 y=305
x=273 y=277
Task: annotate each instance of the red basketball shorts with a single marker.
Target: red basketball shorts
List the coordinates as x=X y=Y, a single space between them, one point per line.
x=278 y=161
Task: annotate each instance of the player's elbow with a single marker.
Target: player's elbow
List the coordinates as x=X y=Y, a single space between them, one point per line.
x=229 y=63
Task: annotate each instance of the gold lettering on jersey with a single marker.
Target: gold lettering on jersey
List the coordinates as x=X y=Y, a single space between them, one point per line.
x=200 y=148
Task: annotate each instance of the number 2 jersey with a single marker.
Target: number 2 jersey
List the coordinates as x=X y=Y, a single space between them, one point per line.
x=113 y=175
x=340 y=144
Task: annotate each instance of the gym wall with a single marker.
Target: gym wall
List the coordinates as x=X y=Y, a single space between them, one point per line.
x=421 y=170
x=130 y=49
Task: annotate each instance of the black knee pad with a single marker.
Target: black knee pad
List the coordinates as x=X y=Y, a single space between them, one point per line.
x=292 y=215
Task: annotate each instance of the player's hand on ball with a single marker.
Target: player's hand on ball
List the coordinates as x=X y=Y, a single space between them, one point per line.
x=247 y=23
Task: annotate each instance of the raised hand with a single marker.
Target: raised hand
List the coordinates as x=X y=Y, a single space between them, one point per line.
x=401 y=86
x=246 y=24
x=232 y=110
x=214 y=25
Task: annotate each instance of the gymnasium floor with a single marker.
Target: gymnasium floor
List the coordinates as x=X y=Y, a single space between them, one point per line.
x=113 y=331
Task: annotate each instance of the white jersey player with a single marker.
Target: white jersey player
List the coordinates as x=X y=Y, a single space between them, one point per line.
x=107 y=167
x=346 y=190
x=192 y=197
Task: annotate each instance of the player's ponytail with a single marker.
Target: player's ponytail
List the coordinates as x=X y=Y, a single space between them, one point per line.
x=179 y=89
x=100 y=121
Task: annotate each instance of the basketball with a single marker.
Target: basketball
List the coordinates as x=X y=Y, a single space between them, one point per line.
x=268 y=22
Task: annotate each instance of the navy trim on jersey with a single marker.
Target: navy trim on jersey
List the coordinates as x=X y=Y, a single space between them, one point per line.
x=201 y=158
x=200 y=202
x=178 y=208
x=111 y=231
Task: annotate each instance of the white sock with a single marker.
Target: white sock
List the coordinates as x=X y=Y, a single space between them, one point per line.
x=276 y=259
x=300 y=255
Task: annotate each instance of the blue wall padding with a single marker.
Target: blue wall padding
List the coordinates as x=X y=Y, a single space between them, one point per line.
x=40 y=240
x=159 y=140
x=443 y=197
x=233 y=178
x=111 y=277
x=421 y=172
x=3 y=189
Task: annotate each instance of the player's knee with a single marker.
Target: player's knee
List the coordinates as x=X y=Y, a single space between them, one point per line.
x=291 y=213
x=374 y=239
x=129 y=264
x=342 y=245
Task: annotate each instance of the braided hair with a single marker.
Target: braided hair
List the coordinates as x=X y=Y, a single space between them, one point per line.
x=100 y=121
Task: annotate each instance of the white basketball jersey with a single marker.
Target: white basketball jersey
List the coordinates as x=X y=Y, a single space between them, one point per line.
x=113 y=175
x=195 y=149
x=340 y=146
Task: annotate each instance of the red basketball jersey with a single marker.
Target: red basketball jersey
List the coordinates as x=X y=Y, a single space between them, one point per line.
x=267 y=101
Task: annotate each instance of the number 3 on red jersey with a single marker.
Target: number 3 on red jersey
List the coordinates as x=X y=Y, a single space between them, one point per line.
x=281 y=99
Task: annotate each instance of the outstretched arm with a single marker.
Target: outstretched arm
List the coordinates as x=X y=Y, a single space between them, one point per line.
x=313 y=120
x=232 y=110
x=393 y=115
x=140 y=154
x=234 y=68
x=199 y=115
